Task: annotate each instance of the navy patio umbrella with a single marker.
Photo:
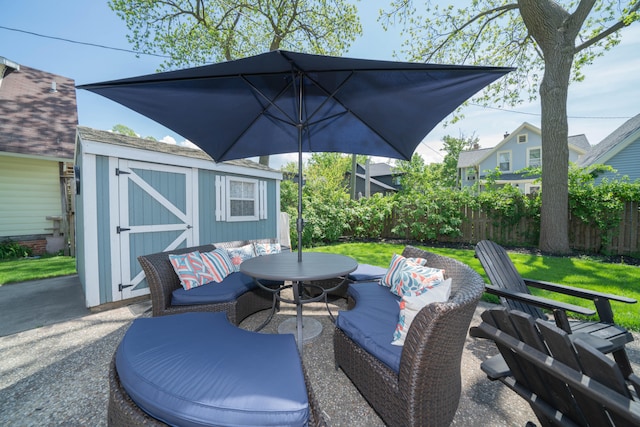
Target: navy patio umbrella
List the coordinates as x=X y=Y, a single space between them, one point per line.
x=285 y=102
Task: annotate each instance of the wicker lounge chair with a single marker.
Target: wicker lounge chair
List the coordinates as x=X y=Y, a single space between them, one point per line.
x=426 y=390
x=514 y=294
x=565 y=383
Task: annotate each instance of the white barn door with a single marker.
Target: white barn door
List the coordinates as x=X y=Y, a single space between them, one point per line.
x=156 y=213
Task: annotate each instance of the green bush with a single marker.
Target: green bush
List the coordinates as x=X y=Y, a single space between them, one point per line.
x=11 y=250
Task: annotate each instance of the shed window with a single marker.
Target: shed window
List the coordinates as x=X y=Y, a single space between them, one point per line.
x=240 y=199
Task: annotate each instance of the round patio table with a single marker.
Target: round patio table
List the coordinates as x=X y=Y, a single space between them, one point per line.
x=286 y=267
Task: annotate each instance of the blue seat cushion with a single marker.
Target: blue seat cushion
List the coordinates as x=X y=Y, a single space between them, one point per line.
x=367 y=272
x=234 y=285
x=372 y=322
x=196 y=369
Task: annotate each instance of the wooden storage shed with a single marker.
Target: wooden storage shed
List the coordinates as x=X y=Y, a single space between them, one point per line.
x=136 y=196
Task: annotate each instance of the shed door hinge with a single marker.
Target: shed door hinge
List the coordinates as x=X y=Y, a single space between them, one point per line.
x=121 y=172
x=121 y=287
x=121 y=229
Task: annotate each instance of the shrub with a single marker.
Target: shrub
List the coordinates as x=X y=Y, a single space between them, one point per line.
x=11 y=250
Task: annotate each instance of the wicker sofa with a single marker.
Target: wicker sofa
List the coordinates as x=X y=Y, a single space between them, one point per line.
x=426 y=388
x=163 y=280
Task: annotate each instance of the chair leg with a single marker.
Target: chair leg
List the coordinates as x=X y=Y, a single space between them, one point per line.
x=621 y=358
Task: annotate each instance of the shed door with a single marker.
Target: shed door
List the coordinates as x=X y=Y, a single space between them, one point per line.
x=156 y=214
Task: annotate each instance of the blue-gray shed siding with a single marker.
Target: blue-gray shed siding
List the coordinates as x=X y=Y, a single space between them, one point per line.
x=212 y=231
x=104 y=235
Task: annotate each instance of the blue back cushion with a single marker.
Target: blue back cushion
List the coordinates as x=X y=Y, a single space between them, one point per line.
x=196 y=369
x=372 y=322
x=367 y=272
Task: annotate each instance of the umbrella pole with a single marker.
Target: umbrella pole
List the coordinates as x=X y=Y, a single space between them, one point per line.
x=299 y=222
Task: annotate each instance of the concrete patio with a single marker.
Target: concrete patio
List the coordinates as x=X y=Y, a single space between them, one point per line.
x=57 y=374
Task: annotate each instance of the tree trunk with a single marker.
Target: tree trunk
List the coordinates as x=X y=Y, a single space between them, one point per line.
x=552 y=28
x=554 y=212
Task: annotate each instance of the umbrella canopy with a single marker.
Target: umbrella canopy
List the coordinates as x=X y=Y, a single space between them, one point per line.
x=286 y=102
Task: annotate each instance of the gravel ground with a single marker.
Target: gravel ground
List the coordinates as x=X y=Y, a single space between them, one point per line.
x=57 y=374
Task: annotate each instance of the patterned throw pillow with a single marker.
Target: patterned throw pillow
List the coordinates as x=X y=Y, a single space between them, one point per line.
x=219 y=263
x=415 y=279
x=411 y=304
x=397 y=261
x=191 y=270
x=243 y=253
x=267 y=248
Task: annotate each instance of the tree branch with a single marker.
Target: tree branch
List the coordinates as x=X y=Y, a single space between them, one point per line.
x=606 y=33
x=499 y=11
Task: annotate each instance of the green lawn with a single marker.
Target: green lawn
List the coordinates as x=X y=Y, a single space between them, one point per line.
x=591 y=274
x=21 y=270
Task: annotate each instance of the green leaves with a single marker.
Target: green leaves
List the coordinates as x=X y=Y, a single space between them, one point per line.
x=196 y=32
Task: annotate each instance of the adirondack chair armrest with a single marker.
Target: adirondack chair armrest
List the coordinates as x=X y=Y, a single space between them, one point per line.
x=601 y=300
x=538 y=301
x=577 y=292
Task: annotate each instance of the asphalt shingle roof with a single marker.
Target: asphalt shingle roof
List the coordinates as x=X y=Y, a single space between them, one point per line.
x=106 y=137
x=34 y=120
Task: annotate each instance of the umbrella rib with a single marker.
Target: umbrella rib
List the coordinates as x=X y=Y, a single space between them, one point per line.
x=263 y=112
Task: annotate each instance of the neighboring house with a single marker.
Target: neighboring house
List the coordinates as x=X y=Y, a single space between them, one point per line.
x=135 y=196
x=382 y=179
x=38 y=119
x=518 y=150
x=620 y=150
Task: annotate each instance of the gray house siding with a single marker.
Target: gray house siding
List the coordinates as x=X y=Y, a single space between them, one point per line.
x=626 y=163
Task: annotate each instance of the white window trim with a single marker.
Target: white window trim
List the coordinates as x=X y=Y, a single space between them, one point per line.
x=223 y=199
x=525 y=139
x=529 y=150
x=528 y=186
x=470 y=174
x=510 y=161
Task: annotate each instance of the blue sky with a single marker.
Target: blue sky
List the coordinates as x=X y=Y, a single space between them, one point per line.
x=609 y=95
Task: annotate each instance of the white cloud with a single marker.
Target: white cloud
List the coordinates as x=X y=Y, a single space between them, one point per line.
x=168 y=139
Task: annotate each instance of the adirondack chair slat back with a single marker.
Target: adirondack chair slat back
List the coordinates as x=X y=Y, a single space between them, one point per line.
x=503 y=274
x=566 y=382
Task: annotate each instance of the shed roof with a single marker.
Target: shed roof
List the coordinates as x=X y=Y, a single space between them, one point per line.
x=36 y=118
x=107 y=137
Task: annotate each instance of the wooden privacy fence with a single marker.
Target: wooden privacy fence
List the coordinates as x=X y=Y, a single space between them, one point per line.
x=479 y=225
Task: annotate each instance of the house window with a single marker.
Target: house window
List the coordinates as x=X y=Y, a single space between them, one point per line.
x=240 y=199
x=534 y=157
x=531 y=188
x=504 y=161
x=522 y=138
x=471 y=174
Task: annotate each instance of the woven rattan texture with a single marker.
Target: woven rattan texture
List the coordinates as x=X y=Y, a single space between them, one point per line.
x=426 y=391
